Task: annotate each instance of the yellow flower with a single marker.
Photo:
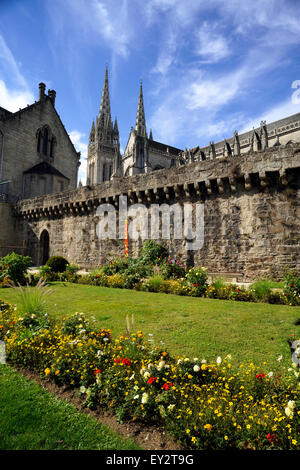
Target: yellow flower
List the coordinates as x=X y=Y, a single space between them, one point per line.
x=208 y=427
x=47 y=371
x=226 y=438
x=57 y=372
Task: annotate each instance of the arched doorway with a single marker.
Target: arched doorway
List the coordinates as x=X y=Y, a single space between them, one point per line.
x=44 y=246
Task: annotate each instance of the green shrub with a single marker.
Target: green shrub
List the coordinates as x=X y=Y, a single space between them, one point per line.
x=57 y=264
x=174 y=286
x=13 y=268
x=261 y=289
x=116 y=280
x=154 y=283
x=172 y=269
x=292 y=288
x=117 y=265
x=153 y=253
x=198 y=281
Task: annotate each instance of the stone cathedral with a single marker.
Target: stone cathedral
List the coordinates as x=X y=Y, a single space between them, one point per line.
x=142 y=153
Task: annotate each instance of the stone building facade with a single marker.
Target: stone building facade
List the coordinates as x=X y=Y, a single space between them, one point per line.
x=36 y=153
x=37 y=157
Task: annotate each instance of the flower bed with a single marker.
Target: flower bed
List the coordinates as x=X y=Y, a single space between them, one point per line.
x=203 y=405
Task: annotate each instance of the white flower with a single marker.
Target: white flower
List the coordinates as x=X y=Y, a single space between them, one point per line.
x=145 y=397
x=150 y=365
x=229 y=357
x=142 y=371
x=270 y=374
x=105 y=339
x=146 y=375
x=136 y=397
x=135 y=388
x=219 y=360
x=171 y=407
x=288 y=412
x=100 y=353
x=179 y=361
x=161 y=364
x=291 y=404
x=196 y=368
x=279 y=359
x=82 y=389
x=296 y=374
x=195 y=359
x=186 y=359
x=132 y=377
x=204 y=361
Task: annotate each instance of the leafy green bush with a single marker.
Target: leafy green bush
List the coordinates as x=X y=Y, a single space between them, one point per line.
x=261 y=289
x=57 y=264
x=292 y=288
x=154 y=283
x=116 y=280
x=198 y=280
x=172 y=269
x=153 y=253
x=13 y=268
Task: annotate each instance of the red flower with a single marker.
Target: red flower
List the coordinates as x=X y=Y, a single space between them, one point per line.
x=117 y=360
x=97 y=371
x=272 y=438
x=195 y=285
x=126 y=362
x=151 y=380
x=167 y=385
x=260 y=376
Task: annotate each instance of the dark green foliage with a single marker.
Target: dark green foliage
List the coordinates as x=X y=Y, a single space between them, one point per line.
x=13 y=268
x=57 y=264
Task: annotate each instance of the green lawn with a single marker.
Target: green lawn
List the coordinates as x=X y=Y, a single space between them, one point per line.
x=33 y=419
x=204 y=328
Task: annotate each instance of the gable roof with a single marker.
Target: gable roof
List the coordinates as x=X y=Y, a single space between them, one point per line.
x=44 y=168
x=163 y=147
x=6 y=115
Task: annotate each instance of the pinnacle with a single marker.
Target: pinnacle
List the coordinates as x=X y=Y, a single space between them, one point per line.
x=140 y=123
x=105 y=101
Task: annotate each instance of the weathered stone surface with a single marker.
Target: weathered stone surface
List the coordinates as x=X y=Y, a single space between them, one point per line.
x=252 y=231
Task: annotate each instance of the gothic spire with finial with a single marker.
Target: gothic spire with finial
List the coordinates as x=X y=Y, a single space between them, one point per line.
x=140 y=123
x=105 y=101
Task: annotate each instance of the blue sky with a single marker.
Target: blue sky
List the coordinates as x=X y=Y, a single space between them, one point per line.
x=208 y=67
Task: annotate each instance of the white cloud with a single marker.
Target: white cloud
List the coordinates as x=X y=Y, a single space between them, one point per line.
x=279 y=111
x=81 y=146
x=211 y=46
x=14 y=99
x=99 y=23
x=18 y=94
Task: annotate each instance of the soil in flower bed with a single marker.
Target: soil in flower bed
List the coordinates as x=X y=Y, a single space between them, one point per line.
x=148 y=437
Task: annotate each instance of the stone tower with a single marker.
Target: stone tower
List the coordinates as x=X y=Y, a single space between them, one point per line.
x=143 y=154
x=104 y=160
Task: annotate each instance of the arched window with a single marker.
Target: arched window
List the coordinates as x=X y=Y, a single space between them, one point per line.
x=103 y=172
x=52 y=145
x=45 y=141
x=39 y=137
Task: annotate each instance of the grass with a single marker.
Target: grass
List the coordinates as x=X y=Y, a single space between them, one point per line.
x=199 y=327
x=33 y=419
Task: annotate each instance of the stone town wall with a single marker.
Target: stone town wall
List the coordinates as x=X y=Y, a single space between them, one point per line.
x=251 y=214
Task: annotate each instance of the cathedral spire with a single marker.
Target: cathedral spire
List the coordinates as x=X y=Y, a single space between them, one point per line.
x=140 y=123
x=105 y=101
